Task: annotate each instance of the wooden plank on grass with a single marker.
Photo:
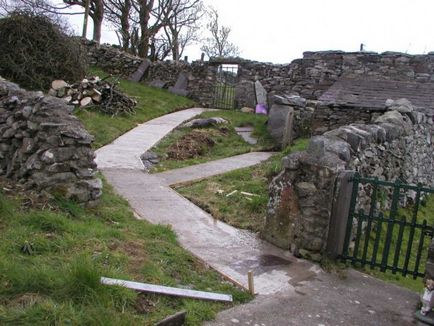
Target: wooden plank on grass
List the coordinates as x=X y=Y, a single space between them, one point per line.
x=145 y=287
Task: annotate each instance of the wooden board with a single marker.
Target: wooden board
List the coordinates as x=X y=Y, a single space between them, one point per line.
x=145 y=287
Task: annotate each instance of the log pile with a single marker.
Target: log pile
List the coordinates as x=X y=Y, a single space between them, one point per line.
x=94 y=92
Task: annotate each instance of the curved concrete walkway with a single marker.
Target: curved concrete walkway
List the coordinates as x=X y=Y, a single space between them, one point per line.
x=292 y=291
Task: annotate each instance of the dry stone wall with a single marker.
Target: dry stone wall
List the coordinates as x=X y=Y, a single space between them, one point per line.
x=396 y=145
x=44 y=147
x=308 y=77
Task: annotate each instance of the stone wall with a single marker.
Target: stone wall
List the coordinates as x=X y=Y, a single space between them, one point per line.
x=44 y=147
x=308 y=77
x=396 y=145
x=329 y=117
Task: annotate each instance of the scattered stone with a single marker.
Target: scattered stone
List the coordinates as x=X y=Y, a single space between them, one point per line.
x=202 y=123
x=247 y=110
x=158 y=83
x=149 y=159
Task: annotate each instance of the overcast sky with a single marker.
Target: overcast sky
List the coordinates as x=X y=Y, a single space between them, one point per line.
x=281 y=30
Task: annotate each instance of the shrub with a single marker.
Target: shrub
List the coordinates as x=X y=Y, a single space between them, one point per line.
x=34 y=51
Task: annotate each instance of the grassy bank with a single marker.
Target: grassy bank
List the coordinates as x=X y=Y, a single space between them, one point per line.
x=225 y=141
x=151 y=103
x=240 y=210
x=51 y=261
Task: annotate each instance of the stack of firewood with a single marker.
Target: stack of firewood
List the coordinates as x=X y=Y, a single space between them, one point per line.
x=94 y=92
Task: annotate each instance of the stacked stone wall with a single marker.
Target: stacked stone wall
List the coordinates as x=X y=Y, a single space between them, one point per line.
x=308 y=77
x=396 y=145
x=44 y=147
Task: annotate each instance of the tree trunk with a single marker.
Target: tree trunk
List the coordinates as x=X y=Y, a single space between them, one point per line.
x=144 y=16
x=97 y=17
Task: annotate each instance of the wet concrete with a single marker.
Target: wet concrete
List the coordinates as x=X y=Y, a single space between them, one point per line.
x=328 y=299
x=230 y=251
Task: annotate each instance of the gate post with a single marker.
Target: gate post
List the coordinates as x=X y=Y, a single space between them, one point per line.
x=340 y=211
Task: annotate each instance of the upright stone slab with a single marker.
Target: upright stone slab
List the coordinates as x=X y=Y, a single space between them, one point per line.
x=245 y=94
x=289 y=125
x=181 y=85
x=277 y=123
x=261 y=93
x=138 y=74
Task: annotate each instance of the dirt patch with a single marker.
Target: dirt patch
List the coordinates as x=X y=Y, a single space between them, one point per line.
x=145 y=303
x=135 y=251
x=195 y=143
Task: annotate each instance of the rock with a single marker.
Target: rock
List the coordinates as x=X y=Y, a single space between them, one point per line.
x=247 y=110
x=261 y=93
x=291 y=100
x=401 y=105
x=316 y=147
x=157 y=83
x=58 y=84
x=277 y=119
x=201 y=123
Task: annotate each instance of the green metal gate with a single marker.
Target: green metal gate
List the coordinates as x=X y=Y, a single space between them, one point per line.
x=386 y=232
x=224 y=91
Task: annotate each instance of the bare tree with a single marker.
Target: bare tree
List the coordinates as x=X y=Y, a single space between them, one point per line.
x=180 y=23
x=96 y=10
x=218 y=44
x=119 y=14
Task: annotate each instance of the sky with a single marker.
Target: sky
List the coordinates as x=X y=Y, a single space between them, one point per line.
x=279 y=31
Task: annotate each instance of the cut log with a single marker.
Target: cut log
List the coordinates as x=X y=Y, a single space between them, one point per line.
x=145 y=287
x=58 y=84
x=85 y=101
x=96 y=96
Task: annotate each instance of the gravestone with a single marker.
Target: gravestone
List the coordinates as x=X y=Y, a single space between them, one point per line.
x=287 y=131
x=181 y=84
x=138 y=74
x=261 y=93
x=245 y=94
x=280 y=121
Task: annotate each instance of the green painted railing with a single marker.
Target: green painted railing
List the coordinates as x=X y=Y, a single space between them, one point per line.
x=387 y=239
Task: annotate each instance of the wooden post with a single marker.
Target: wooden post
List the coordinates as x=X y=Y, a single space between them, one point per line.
x=251 y=284
x=86 y=17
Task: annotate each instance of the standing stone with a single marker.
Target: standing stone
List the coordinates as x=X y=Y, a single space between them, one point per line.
x=278 y=123
x=138 y=74
x=261 y=93
x=245 y=94
x=287 y=132
x=181 y=85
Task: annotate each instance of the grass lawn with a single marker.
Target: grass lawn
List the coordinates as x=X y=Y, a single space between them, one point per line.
x=151 y=103
x=239 y=210
x=226 y=143
x=56 y=282
x=426 y=211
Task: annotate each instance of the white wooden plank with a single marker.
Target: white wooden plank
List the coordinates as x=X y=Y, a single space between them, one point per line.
x=145 y=287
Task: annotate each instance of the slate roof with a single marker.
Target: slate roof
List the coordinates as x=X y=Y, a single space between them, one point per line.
x=373 y=93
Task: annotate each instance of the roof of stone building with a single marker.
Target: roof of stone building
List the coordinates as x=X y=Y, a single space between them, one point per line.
x=372 y=93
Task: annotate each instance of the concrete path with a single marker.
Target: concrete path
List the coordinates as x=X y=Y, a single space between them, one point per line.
x=292 y=291
x=201 y=171
x=125 y=151
x=352 y=299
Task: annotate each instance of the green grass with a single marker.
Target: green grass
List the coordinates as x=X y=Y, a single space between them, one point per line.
x=151 y=103
x=226 y=145
x=237 y=210
x=72 y=247
x=426 y=211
